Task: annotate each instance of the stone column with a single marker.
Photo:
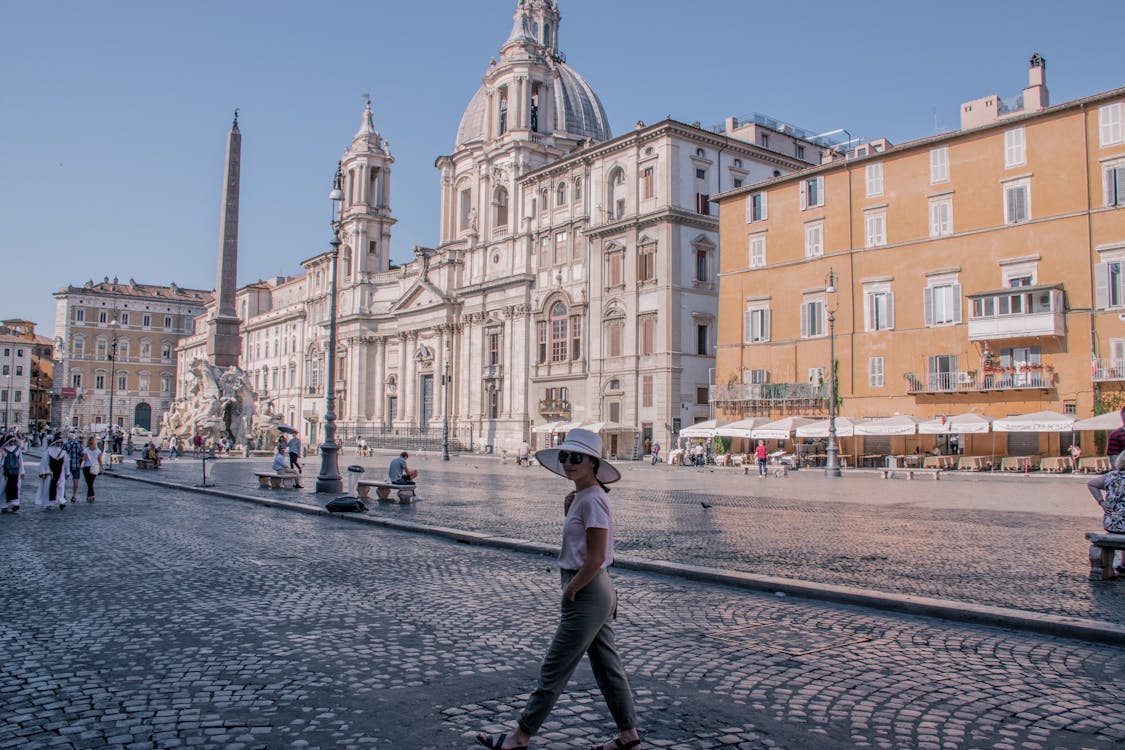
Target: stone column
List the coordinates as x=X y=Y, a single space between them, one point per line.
x=439 y=372
x=378 y=387
x=401 y=393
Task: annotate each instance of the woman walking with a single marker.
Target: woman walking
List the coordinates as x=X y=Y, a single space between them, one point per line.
x=589 y=602
x=11 y=474
x=91 y=466
x=54 y=476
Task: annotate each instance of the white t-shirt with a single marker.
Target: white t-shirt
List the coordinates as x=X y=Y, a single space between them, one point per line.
x=590 y=510
x=90 y=456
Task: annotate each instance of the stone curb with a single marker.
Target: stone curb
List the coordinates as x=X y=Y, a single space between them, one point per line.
x=977 y=614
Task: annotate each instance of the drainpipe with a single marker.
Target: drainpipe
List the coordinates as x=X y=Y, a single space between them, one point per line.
x=1092 y=249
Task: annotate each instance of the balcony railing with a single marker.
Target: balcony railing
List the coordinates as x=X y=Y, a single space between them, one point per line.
x=556 y=408
x=770 y=392
x=1016 y=313
x=1109 y=369
x=997 y=379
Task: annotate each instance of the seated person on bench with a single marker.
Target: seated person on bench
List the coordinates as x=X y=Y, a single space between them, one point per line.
x=152 y=454
x=281 y=461
x=1112 y=500
x=398 y=473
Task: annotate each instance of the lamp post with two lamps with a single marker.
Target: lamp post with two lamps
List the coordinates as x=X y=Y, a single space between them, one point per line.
x=831 y=304
x=114 y=326
x=329 y=478
x=445 y=410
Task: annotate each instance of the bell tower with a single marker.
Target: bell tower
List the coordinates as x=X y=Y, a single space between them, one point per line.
x=366 y=216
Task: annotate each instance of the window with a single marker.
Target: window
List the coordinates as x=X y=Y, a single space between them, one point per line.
x=165 y=384
x=146 y=320
x=575 y=337
x=1114 y=183
x=614 y=331
x=758 y=251
x=942 y=303
x=701 y=174
x=765 y=138
x=166 y=352
x=648 y=183
x=79 y=315
x=5 y=370
x=812 y=192
x=648 y=334
x=878 y=308
x=702 y=394
x=544 y=200
x=1015 y=148
x=757 y=207
x=560 y=194
x=124 y=317
x=617 y=194
x=800 y=151
x=559 y=331
x=812 y=318
x=701 y=263
x=615 y=268
x=17 y=396
x=501 y=206
x=541 y=338
x=122 y=381
x=1109 y=286
x=167 y=322
x=816 y=376
x=703 y=204
x=941 y=217
x=103 y=316
x=1017 y=202
x=79 y=346
x=756 y=324
x=939 y=165
x=874 y=180
x=578 y=189
x=100 y=349
x=99 y=381
x=814 y=240
x=1110 y=124
x=19 y=370
x=646 y=263
x=646 y=390
x=466 y=209
x=876 y=372
x=875 y=223
x=703 y=338
x=493 y=349
x=561 y=248
x=76 y=380
x=941 y=372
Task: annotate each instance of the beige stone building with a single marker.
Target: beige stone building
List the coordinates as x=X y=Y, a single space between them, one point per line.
x=976 y=271
x=120 y=339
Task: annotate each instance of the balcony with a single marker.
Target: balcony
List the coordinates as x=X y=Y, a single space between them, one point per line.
x=1019 y=312
x=769 y=396
x=993 y=379
x=492 y=372
x=1109 y=369
x=555 y=409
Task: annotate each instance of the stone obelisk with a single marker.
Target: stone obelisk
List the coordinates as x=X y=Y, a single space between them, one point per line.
x=223 y=343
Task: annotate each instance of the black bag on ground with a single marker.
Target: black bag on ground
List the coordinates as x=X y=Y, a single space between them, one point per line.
x=346 y=505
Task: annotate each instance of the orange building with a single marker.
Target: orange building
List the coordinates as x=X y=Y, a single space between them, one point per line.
x=981 y=270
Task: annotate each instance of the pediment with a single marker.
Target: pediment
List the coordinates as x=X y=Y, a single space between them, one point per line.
x=422 y=295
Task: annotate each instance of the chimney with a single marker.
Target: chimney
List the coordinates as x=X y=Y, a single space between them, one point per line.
x=1035 y=96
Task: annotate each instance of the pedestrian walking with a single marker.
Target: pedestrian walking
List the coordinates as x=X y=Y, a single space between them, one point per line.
x=54 y=477
x=655 y=453
x=589 y=602
x=294 y=448
x=91 y=466
x=762 y=455
x=11 y=474
x=1114 y=446
x=73 y=448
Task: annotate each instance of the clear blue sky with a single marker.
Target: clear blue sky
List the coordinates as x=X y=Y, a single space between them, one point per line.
x=113 y=115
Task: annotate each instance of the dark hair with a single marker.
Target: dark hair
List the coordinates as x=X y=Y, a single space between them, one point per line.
x=404 y=454
x=597 y=465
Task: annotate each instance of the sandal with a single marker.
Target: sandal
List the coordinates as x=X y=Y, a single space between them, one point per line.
x=498 y=743
x=619 y=745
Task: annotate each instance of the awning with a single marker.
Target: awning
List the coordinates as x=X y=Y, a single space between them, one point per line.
x=547 y=428
x=567 y=426
x=1040 y=421
x=607 y=427
x=845 y=427
x=900 y=425
x=958 y=424
x=700 y=429
x=1108 y=421
x=740 y=429
x=781 y=429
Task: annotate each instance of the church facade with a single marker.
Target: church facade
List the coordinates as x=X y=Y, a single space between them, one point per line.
x=575 y=281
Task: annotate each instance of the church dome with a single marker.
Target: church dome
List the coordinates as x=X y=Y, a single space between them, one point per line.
x=579 y=111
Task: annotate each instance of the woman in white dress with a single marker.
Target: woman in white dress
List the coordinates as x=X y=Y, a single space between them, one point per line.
x=54 y=476
x=11 y=475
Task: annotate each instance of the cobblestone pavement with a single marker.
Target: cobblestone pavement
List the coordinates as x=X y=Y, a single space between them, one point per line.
x=1005 y=541
x=158 y=618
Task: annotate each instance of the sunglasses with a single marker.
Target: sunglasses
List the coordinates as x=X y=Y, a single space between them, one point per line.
x=573 y=458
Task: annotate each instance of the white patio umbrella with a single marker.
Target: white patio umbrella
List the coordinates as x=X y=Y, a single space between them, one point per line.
x=782 y=429
x=958 y=424
x=900 y=425
x=606 y=427
x=700 y=430
x=1108 y=421
x=547 y=428
x=1040 y=421
x=566 y=426
x=740 y=429
x=845 y=427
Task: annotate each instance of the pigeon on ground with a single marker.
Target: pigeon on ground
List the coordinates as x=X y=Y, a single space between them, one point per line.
x=705 y=505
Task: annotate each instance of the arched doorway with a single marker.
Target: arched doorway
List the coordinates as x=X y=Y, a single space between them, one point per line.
x=142 y=416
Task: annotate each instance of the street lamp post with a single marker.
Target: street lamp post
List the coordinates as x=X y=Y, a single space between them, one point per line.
x=832 y=459
x=329 y=478
x=112 y=377
x=445 y=409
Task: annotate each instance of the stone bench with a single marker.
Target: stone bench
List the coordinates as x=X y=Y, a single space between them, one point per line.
x=1102 y=546
x=115 y=458
x=384 y=489
x=275 y=481
x=889 y=473
x=146 y=463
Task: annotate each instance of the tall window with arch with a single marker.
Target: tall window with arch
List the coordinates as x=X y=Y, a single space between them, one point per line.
x=560 y=321
x=560 y=194
x=346 y=261
x=502 y=112
x=501 y=206
x=617 y=194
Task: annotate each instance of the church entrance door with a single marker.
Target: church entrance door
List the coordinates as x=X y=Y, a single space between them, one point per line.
x=425 y=401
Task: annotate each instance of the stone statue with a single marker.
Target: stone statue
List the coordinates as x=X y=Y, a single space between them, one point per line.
x=219 y=403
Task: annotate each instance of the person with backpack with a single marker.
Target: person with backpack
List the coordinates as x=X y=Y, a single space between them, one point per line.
x=11 y=474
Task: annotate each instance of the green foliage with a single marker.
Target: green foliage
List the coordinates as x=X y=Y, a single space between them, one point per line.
x=720 y=445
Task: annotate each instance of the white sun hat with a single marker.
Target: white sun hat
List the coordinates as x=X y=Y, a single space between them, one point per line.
x=579 y=441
